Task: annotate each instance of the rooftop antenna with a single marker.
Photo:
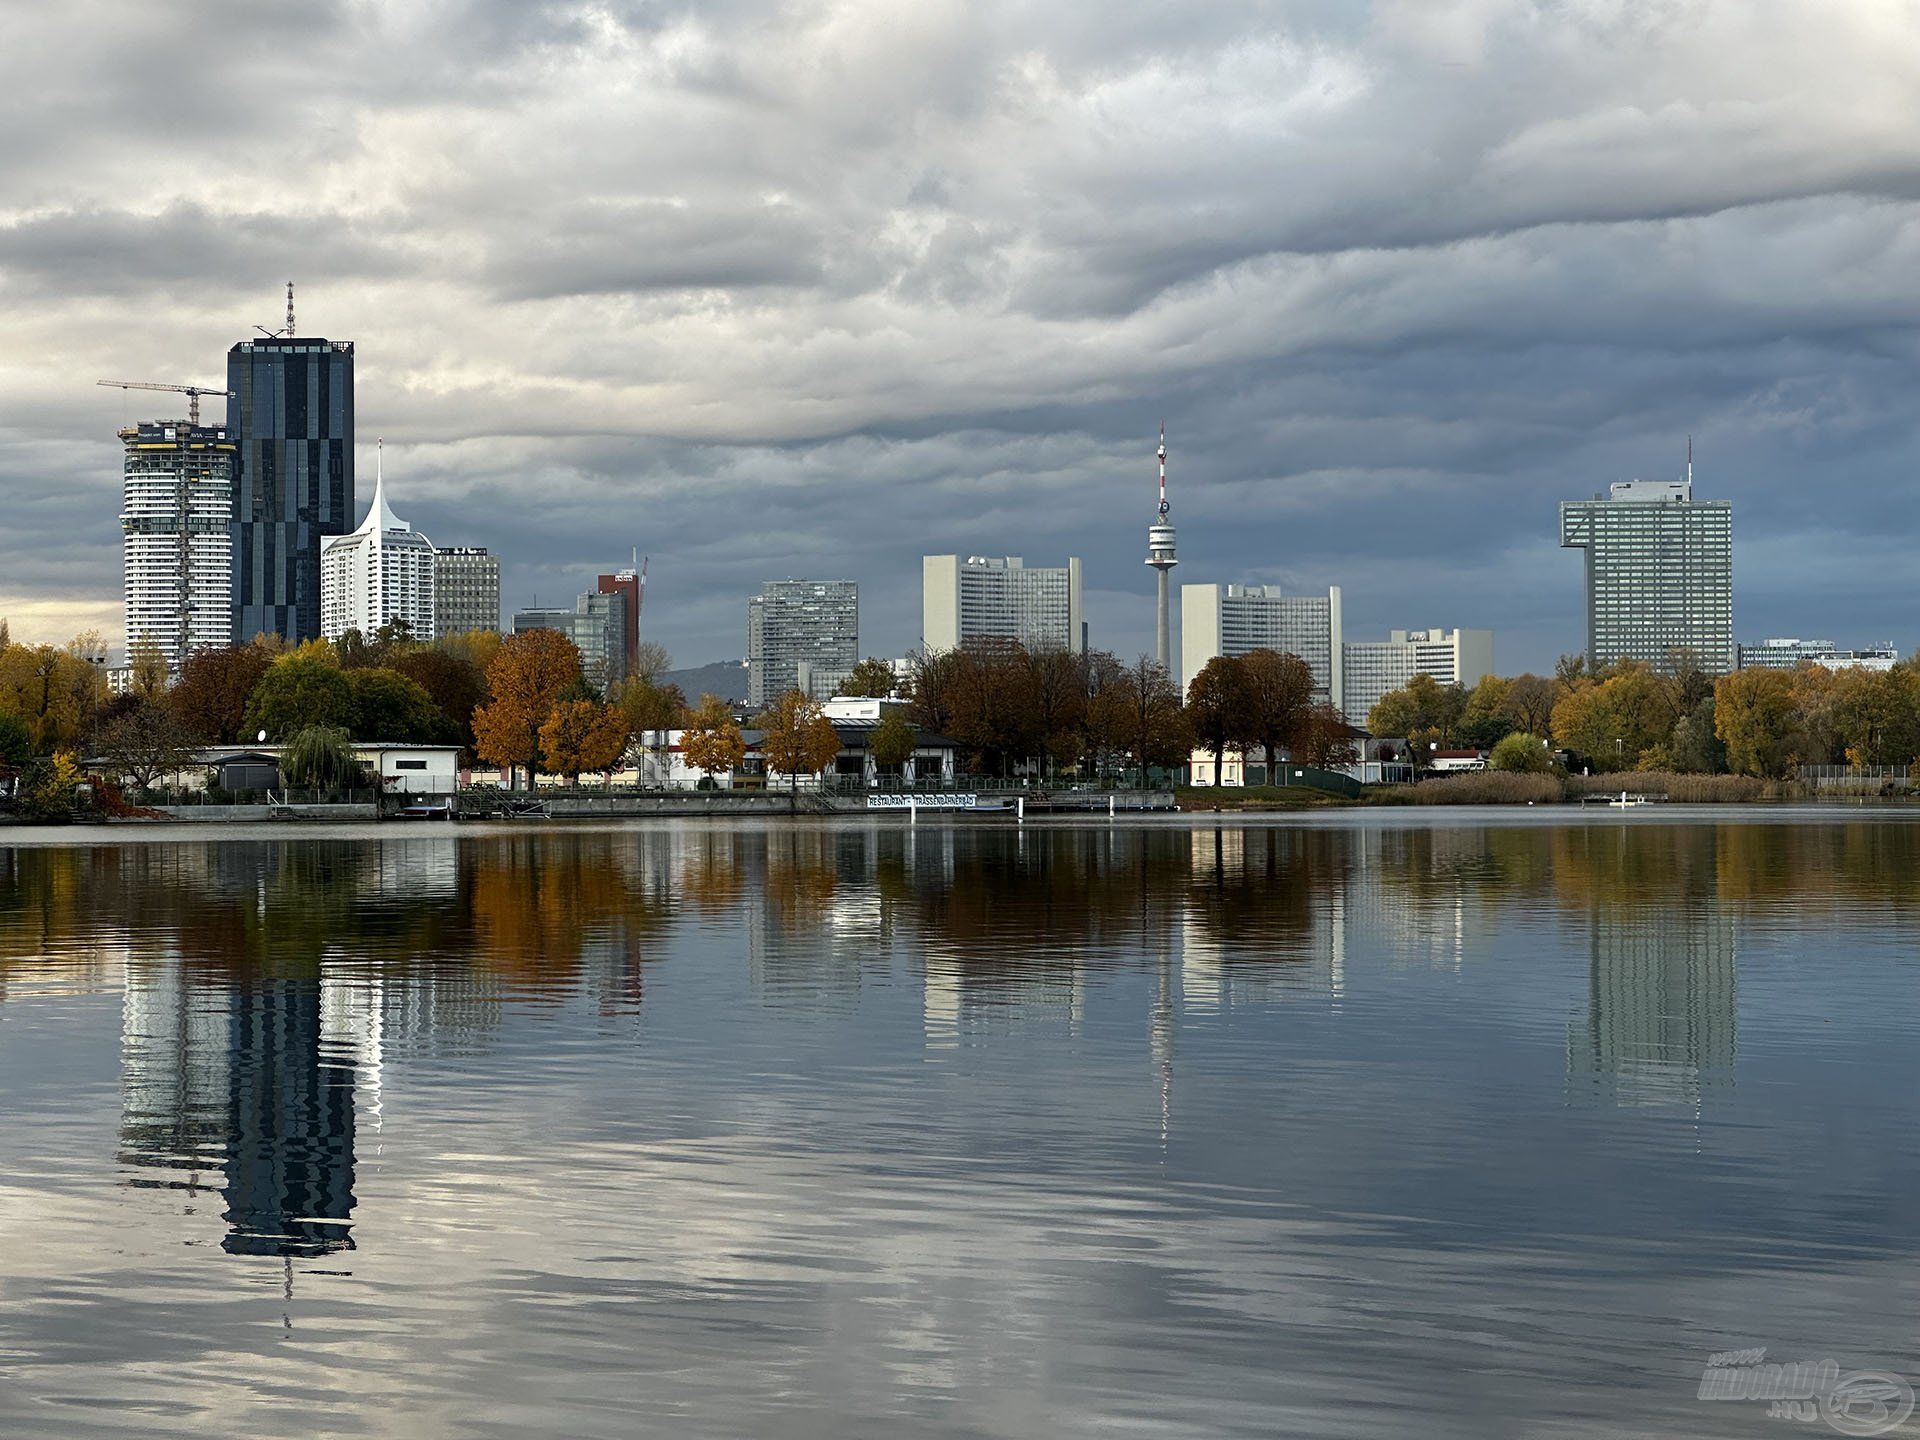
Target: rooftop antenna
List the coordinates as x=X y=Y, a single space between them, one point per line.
x=1689 y=459
x=290 y=330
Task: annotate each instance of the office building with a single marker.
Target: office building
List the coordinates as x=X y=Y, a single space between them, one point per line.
x=381 y=574
x=175 y=517
x=801 y=635
x=1233 y=619
x=466 y=590
x=292 y=414
x=1659 y=573
x=1372 y=668
x=631 y=586
x=984 y=599
x=1788 y=654
x=597 y=625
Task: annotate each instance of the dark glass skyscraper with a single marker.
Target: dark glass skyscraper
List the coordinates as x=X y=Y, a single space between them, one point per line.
x=292 y=410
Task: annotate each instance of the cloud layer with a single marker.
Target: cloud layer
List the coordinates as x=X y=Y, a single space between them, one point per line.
x=772 y=290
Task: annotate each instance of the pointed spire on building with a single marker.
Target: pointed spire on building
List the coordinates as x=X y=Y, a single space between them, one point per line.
x=379 y=517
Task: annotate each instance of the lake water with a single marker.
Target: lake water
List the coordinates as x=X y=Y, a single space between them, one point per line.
x=1375 y=1125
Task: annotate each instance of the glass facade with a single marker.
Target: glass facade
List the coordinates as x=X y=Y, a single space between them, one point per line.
x=292 y=414
x=466 y=590
x=1659 y=574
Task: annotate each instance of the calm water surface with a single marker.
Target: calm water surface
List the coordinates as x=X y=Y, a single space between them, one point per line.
x=1437 y=1126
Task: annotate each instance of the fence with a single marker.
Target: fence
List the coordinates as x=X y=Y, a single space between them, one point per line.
x=1856 y=779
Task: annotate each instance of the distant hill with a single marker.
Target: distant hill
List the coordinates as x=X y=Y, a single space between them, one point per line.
x=725 y=678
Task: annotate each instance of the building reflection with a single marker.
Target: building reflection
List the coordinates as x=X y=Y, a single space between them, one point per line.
x=253 y=1080
x=1662 y=1005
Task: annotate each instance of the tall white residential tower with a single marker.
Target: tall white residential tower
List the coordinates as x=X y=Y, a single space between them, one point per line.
x=380 y=574
x=176 y=516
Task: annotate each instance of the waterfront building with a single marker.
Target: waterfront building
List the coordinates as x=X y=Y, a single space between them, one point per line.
x=177 y=547
x=1659 y=573
x=1233 y=619
x=466 y=590
x=1372 y=668
x=292 y=415
x=1006 y=599
x=597 y=625
x=381 y=574
x=1786 y=654
x=801 y=635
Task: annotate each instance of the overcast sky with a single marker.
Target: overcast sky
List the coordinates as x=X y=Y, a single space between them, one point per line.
x=812 y=289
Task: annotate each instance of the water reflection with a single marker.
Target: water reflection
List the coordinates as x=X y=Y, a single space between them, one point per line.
x=267 y=987
x=1069 y=1131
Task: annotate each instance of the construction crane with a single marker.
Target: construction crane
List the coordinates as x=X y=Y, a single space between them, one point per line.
x=192 y=392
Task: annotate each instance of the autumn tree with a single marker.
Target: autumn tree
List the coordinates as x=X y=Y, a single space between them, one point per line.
x=526 y=680
x=1753 y=714
x=211 y=692
x=1528 y=703
x=581 y=735
x=455 y=684
x=797 y=738
x=651 y=710
x=144 y=742
x=872 y=679
x=1617 y=721
x=1217 y=706
x=1139 y=712
x=1325 y=739
x=711 y=742
x=1523 y=752
x=1279 y=691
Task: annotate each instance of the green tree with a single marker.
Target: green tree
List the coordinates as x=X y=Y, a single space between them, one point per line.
x=797 y=738
x=320 y=757
x=872 y=678
x=893 y=740
x=300 y=691
x=387 y=706
x=1423 y=705
x=1522 y=752
x=16 y=741
x=1695 y=748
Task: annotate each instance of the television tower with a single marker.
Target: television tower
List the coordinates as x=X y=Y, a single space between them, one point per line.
x=1160 y=557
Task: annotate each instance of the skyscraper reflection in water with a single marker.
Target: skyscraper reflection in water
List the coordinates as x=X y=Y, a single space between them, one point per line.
x=253 y=1078
x=1661 y=1005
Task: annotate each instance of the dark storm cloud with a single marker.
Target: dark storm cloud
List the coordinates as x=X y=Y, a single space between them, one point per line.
x=773 y=290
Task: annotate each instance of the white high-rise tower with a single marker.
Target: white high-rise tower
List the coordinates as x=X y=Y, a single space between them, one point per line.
x=179 y=548
x=380 y=574
x=1160 y=556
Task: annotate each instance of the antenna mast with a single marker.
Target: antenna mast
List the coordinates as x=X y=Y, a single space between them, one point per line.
x=290 y=331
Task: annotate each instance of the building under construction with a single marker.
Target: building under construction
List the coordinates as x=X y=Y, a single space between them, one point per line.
x=177 y=517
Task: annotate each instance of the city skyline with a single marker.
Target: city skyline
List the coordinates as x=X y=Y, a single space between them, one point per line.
x=1380 y=374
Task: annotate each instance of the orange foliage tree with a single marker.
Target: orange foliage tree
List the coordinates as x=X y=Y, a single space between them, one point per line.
x=526 y=680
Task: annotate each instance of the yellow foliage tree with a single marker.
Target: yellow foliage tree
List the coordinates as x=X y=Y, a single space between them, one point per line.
x=797 y=738
x=712 y=742
x=582 y=736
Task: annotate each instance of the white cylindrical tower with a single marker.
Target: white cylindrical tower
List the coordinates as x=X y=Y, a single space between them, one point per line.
x=1161 y=557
